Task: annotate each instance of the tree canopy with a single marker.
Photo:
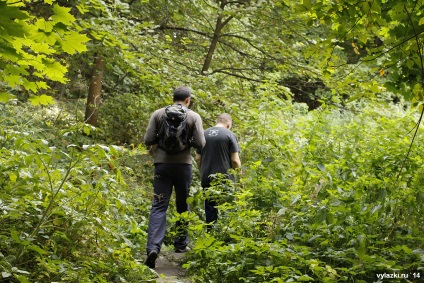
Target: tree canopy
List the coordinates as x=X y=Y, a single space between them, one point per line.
x=31 y=44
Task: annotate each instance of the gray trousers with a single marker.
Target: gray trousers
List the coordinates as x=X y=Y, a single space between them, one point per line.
x=168 y=176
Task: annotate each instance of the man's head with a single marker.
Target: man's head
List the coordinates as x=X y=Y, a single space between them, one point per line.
x=225 y=120
x=182 y=94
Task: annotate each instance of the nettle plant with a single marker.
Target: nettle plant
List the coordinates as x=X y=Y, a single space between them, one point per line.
x=326 y=196
x=67 y=214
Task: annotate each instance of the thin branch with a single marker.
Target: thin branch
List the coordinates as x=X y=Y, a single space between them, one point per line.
x=239 y=76
x=290 y=28
x=205 y=18
x=225 y=22
x=383 y=53
x=245 y=39
x=422 y=84
x=395 y=46
x=183 y=29
x=233 y=69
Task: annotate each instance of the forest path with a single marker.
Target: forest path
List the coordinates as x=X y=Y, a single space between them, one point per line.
x=168 y=268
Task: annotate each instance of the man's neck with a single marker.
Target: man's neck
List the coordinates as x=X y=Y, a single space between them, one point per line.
x=220 y=125
x=181 y=102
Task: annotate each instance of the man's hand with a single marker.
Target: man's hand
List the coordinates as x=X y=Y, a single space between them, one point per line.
x=235 y=160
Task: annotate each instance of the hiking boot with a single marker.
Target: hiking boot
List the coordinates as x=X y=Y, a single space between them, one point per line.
x=151 y=259
x=182 y=250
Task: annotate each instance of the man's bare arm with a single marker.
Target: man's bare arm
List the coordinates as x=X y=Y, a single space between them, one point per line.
x=198 y=160
x=235 y=160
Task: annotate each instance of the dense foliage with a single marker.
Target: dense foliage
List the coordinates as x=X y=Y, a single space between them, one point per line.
x=31 y=44
x=323 y=197
x=67 y=213
x=324 y=96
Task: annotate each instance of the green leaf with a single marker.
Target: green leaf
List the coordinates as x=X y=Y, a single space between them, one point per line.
x=363 y=37
x=374 y=88
x=9 y=53
x=87 y=130
x=322 y=167
x=320 y=216
x=45 y=37
x=376 y=8
x=307 y=4
x=305 y=278
x=37 y=249
x=5 y=97
x=22 y=278
x=42 y=48
x=28 y=85
x=42 y=99
x=375 y=208
x=74 y=42
x=62 y=15
x=421 y=22
x=55 y=71
x=8 y=12
x=13 y=177
x=15 y=236
x=42 y=24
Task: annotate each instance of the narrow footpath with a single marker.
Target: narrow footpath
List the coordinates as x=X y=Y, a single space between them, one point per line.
x=168 y=268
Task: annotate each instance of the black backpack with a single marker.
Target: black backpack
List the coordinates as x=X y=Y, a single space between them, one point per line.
x=173 y=135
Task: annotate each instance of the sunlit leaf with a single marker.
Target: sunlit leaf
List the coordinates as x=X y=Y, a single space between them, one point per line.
x=41 y=100
x=74 y=42
x=61 y=14
x=5 y=97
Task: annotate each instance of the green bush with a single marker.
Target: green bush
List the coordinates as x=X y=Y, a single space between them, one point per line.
x=67 y=214
x=323 y=197
x=124 y=119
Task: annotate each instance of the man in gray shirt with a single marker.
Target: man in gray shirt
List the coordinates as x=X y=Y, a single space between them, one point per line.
x=171 y=171
x=218 y=155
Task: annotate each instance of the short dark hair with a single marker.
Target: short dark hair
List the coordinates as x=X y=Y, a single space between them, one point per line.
x=181 y=93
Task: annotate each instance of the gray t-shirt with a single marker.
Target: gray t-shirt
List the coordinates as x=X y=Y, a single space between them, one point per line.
x=216 y=154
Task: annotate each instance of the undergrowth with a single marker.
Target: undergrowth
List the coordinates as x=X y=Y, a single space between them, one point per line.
x=321 y=197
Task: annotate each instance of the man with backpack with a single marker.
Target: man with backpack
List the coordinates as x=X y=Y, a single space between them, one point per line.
x=171 y=132
x=218 y=155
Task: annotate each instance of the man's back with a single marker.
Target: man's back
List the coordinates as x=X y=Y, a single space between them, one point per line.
x=216 y=154
x=194 y=127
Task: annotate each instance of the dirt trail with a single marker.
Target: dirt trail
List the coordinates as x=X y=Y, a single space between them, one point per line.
x=168 y=268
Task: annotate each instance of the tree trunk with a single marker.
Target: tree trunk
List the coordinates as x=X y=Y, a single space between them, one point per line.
x=94 y=98
x=216 y=35
x=212 y=47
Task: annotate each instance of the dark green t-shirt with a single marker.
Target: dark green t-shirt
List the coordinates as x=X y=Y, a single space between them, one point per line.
x=216 y=154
